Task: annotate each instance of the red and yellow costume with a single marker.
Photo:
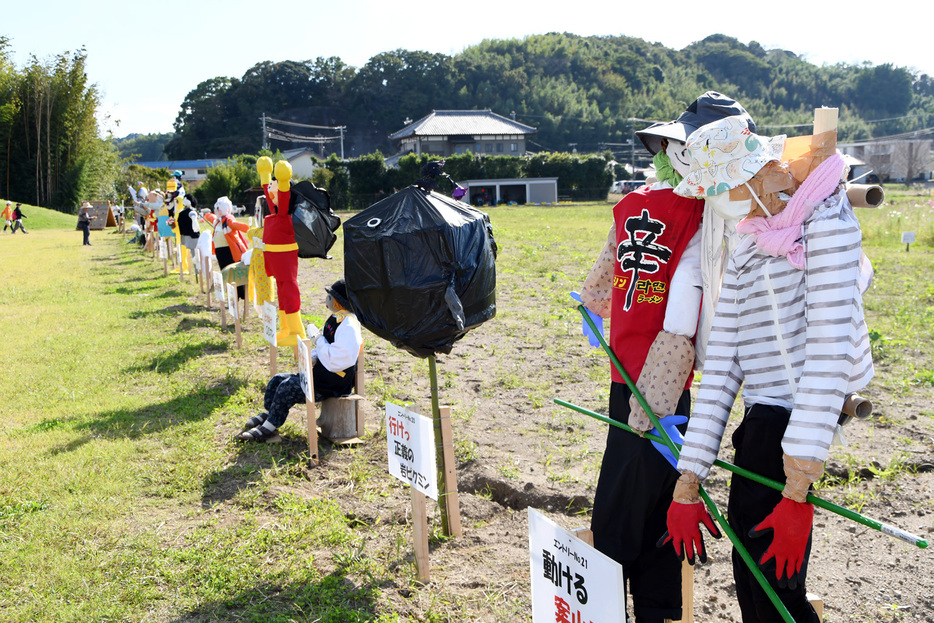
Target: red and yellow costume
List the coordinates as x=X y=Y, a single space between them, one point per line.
x=280 y=251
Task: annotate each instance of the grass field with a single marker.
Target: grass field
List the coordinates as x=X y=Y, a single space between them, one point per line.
x=118 y=388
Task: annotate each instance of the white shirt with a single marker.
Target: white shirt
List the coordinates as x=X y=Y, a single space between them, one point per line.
x=342 y=353
x=792 y=338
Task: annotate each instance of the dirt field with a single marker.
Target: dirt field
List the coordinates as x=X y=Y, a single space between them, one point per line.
x=516 y=449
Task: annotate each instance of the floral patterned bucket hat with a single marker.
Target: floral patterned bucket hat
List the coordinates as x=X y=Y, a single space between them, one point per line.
x=726 y=154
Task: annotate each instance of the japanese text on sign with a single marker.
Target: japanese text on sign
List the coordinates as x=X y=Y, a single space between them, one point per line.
x=410 y=443
x=218 y=285
x=232 y=300
x=571 y=581
x=304 y=369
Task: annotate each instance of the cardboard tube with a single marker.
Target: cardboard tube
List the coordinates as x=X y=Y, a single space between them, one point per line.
x=865 y=195
x=856 y=406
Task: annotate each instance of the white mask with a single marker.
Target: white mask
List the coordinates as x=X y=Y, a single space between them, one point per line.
x=677 y=152
x=729 y=210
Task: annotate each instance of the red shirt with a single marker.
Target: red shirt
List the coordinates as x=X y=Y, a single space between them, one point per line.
x=653 y=227
x=277 y=226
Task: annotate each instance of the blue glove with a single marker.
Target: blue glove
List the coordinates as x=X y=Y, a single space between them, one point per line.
x=669 y=423
x=597 y=320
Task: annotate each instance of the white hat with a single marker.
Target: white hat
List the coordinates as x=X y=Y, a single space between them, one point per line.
x=223 y=206
x=726 y=154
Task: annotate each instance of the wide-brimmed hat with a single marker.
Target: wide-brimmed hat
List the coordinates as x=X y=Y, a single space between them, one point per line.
x=86 y=205
x=707 y=108
x=726 y=154
x=338 y=291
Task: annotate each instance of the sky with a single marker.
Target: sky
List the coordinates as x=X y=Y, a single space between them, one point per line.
x=146 y=57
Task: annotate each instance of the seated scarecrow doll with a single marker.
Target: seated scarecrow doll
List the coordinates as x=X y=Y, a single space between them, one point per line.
x=334 y=366
x=789 y=329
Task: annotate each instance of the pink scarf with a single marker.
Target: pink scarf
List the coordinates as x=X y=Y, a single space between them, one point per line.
x=780 y=234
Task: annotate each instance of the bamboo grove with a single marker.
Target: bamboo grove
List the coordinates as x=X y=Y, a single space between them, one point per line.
x=50 y=151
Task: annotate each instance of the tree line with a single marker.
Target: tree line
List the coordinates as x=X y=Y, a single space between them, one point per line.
x=585 y=92
x=357 y=183
x=51 y=153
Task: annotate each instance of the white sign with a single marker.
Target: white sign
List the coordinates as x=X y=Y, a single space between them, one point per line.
x=198 y=261
x=304 y=369
x=178 y=254
x=163 y=254
x=410 y=442
x=218 y=285
x=232 y=300
x=572 y=581
x=908 y=237
x=270 y=322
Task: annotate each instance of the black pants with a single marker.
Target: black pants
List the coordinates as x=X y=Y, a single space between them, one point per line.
x=630 y=511
x=758 y=444
x=86 y=230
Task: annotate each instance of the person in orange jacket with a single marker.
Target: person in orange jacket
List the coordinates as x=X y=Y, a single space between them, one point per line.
x=8 y=215
x=228 y=242
x=280 y=251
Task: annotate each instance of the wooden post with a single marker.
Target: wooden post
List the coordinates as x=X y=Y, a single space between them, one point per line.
x=420 y=534
x=825 y=119
x=439 y=453
x=273 y=354
x=170 y=246
x=232 y=304
x=817 y=603
x=687 y=592
x=451 y=502
x=181 y=265
x=310 y=412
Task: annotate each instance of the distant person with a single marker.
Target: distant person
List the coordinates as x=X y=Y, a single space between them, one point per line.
x=8 y=215
x=18 y=217
x=84 y=222
x=334 y=368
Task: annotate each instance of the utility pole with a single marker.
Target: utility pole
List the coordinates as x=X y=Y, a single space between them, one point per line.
x=341 y=128
x=265 y=141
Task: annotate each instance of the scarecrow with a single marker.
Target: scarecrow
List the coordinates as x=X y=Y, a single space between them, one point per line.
x=228 y=242
x=650 y=279
x=280 y=251
x=334 y=366
x=789 y=329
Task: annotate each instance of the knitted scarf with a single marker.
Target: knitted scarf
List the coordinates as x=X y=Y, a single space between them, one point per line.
x=781 y=234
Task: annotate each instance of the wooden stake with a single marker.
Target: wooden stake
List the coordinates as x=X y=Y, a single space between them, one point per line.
x=420 y=534
x=181 y=265
x=311 y=417
x=273 y=354
x=439 y=450
x=451 y=502
x=825 y=119
x=687 y=592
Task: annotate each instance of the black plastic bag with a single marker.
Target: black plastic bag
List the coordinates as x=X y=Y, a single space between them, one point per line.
x=420 y=269
x=313 y=220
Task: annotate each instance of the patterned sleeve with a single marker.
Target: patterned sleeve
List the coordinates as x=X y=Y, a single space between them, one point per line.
x=834 y=321
x=720 y=384
x=596 y=293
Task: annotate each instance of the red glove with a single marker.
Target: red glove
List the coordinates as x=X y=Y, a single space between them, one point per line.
x=790 y=523
x=684 y=530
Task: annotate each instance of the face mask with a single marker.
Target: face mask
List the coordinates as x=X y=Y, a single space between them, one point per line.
x=726 y=209
x=678 y=155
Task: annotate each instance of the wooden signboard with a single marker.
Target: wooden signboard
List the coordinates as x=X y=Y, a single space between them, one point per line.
x=232 y=310
x=103 y=215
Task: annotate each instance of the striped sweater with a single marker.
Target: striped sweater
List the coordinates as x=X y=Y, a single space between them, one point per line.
x=819 y=354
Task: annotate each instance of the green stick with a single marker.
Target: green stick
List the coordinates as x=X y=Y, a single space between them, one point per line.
x=724 y=525
x=772 y=484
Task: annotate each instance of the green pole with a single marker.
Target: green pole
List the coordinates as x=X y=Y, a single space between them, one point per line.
x=772 y=484
x=439 y=443
x=727 y=530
